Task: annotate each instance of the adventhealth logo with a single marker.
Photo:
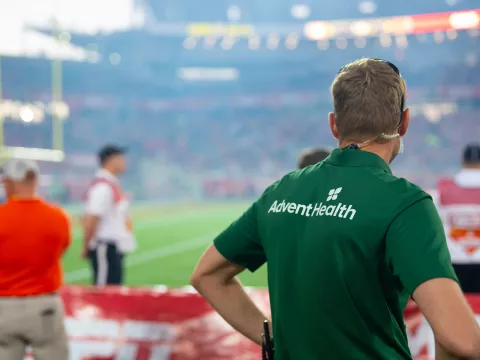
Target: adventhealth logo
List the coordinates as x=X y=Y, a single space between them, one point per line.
x=318 y=209
x=333 y=194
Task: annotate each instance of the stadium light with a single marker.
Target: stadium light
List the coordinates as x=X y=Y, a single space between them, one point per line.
x=115 y=58
x=323 y=44
x=234 y=13
x=60 y=109
x=360 y=42
x=291 y=42
x=439 y=37
x=362 y=28
x=464 y=20
x=341 y=43
x=64 y=36
x=254 y=43
x=401 y=41
x=189 y=43
x=367 y=6
x=451 y=34
x=300 y=11
x=26 y=114
x=209 y=42
x=317 y=30
x=432 y=113
x=474 y=32
x=227 y=43
x=385 y=40
x=208 y=74
x=33 y=112
x=422 y=37
x=272 y=41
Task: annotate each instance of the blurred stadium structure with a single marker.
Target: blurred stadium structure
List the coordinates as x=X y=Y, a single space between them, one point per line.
x=216 y=98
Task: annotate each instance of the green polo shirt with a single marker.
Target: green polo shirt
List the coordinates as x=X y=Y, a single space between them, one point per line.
x=346 y=244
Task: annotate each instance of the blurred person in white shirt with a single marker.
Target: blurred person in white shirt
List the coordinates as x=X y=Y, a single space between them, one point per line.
x=458 y=202
x=107 y=230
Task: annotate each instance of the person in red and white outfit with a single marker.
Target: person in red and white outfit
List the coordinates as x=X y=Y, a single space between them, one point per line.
x=107 y=229
x=458 y=202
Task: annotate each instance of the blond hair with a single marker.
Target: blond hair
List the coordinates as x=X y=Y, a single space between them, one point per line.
x=367 y=100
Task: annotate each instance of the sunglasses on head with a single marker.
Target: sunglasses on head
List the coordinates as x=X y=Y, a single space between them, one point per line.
x=397 y=71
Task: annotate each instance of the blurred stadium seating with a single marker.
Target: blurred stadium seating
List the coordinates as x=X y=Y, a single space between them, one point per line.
x=218 y=107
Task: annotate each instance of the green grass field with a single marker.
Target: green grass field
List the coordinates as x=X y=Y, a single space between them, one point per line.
x=170 y=242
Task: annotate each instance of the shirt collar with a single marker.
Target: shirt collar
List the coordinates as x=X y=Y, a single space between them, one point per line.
x=357 y=158
x=468 y=178
x=14 y=198
x=105 y=174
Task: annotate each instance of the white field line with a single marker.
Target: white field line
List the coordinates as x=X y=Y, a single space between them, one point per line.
x=148 y=256
x=167 y=220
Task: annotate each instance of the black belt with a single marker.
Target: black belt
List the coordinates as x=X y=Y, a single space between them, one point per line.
x=16 y=297
x=105 y=242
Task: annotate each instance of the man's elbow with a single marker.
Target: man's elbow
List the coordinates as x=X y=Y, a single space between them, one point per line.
x=465 y=348
x=195 y=281
x=199 y=282
x=203 y=282
x=471 y=351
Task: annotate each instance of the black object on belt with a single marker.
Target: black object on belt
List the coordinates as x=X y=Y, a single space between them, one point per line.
x=268 y=350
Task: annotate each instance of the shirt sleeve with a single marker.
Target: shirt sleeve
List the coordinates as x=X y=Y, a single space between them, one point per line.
x=416 y=247
x=99 y=200
x=240 y=242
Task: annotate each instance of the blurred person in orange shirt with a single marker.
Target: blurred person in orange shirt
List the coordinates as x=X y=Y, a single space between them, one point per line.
x=33 y=237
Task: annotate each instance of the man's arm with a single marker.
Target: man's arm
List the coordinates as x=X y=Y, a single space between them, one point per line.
x=237 y=248
x=418 y=254
x=90 y=225
x=215 y=279
x=456 y=331
x=98 y=202
x=442 y=354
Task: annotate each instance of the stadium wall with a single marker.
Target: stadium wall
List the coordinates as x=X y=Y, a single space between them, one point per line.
x=177 y=324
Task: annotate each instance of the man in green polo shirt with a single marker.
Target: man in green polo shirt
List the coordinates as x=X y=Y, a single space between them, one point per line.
x=346 y=243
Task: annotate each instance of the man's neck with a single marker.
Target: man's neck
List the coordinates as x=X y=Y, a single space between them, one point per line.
x=385 y=151
x=23 y=195
x=110 y=171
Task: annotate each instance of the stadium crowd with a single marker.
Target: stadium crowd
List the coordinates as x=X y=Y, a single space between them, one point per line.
x=252 y=126
x=261 y=141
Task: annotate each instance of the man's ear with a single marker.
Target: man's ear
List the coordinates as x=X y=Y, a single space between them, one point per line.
x=333 y=124
x=402 y=130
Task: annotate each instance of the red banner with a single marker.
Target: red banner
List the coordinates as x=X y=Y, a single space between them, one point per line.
x=141 y=324
x=397 y=25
